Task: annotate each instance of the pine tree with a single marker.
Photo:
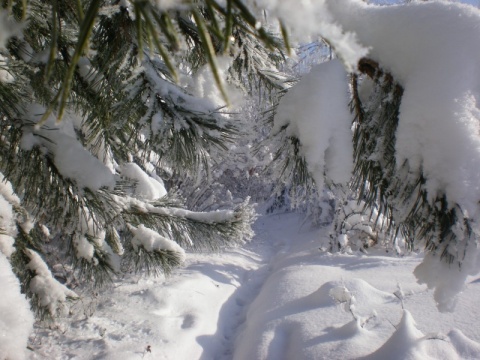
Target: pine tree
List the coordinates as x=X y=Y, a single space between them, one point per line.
x=95 y=120
x=404 y=161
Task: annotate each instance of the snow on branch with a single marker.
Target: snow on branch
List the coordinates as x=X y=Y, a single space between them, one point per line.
x=316 y=112
x=417 y=142
x=51 y=294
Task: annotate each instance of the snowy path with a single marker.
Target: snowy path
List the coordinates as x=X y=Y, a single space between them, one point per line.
x=193 y=314
x=278 y=298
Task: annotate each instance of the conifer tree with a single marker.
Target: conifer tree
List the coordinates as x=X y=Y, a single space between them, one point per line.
x=97 y=114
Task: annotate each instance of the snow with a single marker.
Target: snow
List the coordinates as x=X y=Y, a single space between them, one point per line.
x=316 y=110
x=5 y=76
x=51 y=294
x=204 y=86
x=278 y=297
x=150 y=240
x=16 y=319
x=439 y=119
x=75 y=162
x=70 y=157
x=83 y=248
x=7 y=218
x=89 y=236
x=209 y=217
x=313 y=19
x=282 y=296
x=146 y=187
x=8 y=28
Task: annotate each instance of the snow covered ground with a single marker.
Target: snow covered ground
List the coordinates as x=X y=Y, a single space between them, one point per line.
x=280 y=297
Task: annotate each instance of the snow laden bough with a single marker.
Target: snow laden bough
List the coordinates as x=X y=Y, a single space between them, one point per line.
x=113 y=215
x=416 y=131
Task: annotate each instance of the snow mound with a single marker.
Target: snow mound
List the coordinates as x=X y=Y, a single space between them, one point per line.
x=465 y=347
x=405 y=343
x=341 y=291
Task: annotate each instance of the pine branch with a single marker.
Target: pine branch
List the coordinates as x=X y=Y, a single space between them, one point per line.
x=378 y=179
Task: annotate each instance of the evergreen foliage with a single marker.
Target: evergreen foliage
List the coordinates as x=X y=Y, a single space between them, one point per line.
x=92 y=108
x=98 y=107
x=443 y=228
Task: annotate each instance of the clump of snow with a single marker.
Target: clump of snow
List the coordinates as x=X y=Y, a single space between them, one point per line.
x=205 y=86
x=7 y=243
x=313 y=19
x=51 y=294
x=316 y=110
x=5 y=76
x=146 y=187
x=7 y=227
x=71 y=158
x=83 y=248
x=16 y=319
x=447 y=279
x=8 y=28
x=89 y=237
x=150 y=240
x=340 y=294
x=75 y=162
x=439 y=119
x=7 y=192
